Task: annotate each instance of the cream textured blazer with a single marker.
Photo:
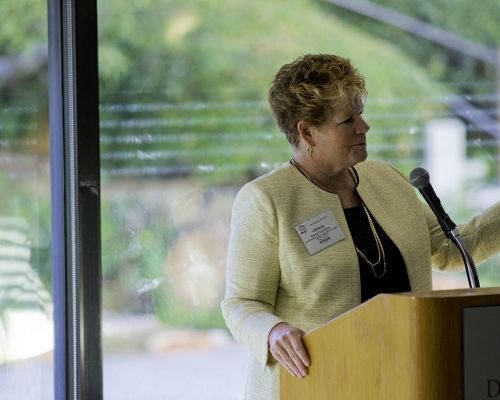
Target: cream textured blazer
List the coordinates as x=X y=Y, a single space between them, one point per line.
x=271 y=277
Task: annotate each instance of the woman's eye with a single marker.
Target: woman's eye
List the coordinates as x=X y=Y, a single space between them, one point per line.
x=348 y=121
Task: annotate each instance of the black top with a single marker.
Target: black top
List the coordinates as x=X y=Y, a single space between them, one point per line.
x=396 y=276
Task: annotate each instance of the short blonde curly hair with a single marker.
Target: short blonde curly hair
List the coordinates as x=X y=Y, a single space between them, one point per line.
x=310 y=89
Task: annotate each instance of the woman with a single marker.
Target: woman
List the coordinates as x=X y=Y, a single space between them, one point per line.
x=328 y=230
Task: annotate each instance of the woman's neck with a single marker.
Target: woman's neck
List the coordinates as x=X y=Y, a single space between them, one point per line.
x=341 y=182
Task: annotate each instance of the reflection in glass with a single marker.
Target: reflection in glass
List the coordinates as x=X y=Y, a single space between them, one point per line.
x=26 y=308
x=26 y=325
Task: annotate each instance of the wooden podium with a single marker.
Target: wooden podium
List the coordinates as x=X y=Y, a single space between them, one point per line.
x=395 y=346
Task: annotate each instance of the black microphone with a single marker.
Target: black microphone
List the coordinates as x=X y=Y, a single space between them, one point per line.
x=419 y=178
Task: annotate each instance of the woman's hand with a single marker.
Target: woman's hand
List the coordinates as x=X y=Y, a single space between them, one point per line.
x=285 y=344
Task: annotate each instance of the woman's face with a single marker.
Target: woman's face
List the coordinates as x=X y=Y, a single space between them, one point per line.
x=341 y=142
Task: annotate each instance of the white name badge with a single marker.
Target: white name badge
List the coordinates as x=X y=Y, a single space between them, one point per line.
x=320 y=232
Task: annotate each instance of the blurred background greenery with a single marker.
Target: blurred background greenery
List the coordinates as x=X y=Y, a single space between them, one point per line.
x=185 y=123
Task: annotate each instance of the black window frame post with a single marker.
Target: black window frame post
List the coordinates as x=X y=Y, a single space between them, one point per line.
x=75 y=188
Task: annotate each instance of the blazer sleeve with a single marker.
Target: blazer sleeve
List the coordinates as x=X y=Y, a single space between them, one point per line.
x=252 y=272
x=481 y=236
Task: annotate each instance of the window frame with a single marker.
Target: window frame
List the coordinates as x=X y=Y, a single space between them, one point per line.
x=75 y=198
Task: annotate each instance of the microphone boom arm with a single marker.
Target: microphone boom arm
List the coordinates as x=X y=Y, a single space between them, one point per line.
x=470 y=267
x=419 y=178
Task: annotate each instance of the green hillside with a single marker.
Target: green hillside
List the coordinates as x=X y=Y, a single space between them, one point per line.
x=207 y=66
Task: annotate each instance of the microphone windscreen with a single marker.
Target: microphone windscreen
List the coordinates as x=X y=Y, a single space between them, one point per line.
x=419 y=177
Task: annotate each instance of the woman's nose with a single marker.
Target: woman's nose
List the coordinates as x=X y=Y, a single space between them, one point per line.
x=362 y=126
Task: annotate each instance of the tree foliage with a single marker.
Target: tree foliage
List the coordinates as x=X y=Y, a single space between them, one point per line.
x=206 y=66
x=472 y=21
x=216 y=59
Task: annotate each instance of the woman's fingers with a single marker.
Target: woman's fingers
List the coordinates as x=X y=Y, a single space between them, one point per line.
x=288 y=363
x=300 y=350
x=285 y=344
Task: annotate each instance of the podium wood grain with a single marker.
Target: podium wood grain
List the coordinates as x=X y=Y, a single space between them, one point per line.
x=395 y=346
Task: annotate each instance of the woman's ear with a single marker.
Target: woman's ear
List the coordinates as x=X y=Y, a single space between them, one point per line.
x=306 y=132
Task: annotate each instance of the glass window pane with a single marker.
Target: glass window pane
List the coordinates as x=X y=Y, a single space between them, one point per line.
x=26 y=323
x=185 y=123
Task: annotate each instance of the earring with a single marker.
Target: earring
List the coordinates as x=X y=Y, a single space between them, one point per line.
x=309 y=151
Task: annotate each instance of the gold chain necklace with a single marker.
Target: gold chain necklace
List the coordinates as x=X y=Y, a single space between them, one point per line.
x=378 y=242
x=380 y=248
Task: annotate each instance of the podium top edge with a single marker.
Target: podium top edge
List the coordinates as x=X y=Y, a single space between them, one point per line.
x=447 y=293
x=415 y=297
